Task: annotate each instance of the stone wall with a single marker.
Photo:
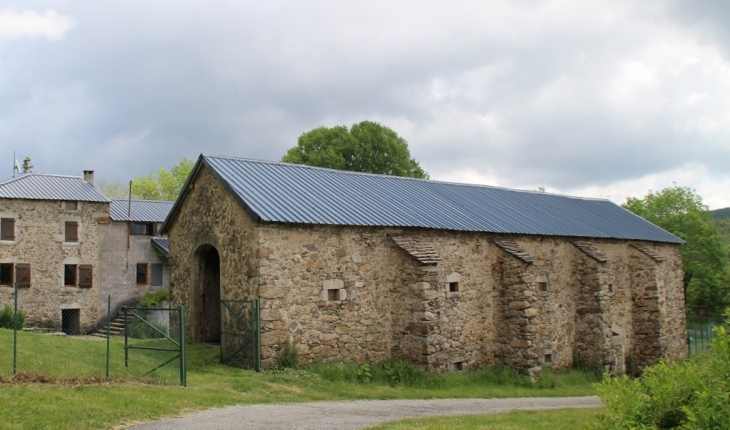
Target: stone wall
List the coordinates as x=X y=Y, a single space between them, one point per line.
x=355 y=294
x=563 y=306
x=210 y=216
x=118 y=264
x=39 y=240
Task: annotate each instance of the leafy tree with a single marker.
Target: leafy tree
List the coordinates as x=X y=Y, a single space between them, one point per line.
x=165 y=185
x=114 y=190
x=680 y=211
x=366 y=147
x=27 y=166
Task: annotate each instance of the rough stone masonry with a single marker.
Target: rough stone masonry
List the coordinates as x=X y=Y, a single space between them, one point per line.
x=446 y=300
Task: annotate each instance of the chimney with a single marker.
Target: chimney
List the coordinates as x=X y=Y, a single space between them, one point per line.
x=89 y=176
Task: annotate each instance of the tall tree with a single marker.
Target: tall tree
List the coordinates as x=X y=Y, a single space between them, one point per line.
x=365 y=147
x=114 y=190
x=680 y=211
x=165 y=185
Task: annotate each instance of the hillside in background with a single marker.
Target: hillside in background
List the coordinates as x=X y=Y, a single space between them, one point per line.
x=722 y=219
x=720 y=214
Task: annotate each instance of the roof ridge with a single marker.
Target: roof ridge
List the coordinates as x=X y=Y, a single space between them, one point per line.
x=25 y=175
x=405 y=178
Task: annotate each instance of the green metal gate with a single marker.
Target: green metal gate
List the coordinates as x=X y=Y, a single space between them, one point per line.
x=241 y=333
x=154 y=343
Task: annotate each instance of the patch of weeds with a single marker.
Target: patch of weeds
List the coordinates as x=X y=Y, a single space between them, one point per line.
x=546 y=380
x=287 y=357
x=400 y=372
x=364 y=374
x=499 y=375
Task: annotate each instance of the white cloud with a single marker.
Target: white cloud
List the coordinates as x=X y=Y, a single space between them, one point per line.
x=29 y=23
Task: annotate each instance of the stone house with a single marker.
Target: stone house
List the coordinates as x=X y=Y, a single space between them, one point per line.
x=132 y=258
x=49 y=245
x=361 y=267
x=69 y=247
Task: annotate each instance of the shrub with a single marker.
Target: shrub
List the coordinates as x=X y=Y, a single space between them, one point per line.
x=364 y=374
x=7 y=318
x=142 y=330
x=693 y=394
x=288 y=356
x=152 y=299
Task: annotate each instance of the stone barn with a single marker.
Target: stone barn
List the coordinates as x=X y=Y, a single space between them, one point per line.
x=361 y=267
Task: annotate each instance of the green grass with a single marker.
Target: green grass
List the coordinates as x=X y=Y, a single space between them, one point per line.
x=70 y=404
x=523 y=420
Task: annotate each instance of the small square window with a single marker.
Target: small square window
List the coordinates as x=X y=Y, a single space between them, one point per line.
x=71 y=206
x=142 y=274
x=548 y=358
x=610 y=288
x=6 y=274
x=69 y=275
x=332 y=295
x=453 y=287
x=71 y=233
x=458 y=366
x=542 y=286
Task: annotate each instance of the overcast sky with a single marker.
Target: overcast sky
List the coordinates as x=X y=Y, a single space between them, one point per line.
x=590 y=98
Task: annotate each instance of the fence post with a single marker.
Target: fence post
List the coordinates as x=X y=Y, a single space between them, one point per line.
x=126 y=350
x=108 y=332
x=183 y=363
x=15 y=333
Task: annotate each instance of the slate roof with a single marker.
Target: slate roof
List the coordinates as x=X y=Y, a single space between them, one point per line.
x=288 y=193
x=41 y=186
x=142 y=210
x=418 y=249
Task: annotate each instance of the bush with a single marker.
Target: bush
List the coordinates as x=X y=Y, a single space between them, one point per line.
x=142 y=330
x=693 y=394
x=7 y=319
x=288 y=356
x=153 y=299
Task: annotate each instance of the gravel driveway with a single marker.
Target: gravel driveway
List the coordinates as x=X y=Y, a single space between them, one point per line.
x=355 y=415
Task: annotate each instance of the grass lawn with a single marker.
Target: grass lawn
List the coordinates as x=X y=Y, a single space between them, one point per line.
x=210 y=384
x=526 y=420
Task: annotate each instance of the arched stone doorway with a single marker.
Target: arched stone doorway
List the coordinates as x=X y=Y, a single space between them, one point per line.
x=208 y=295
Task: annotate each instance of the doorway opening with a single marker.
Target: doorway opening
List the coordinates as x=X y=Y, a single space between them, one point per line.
x=71 y=321
x=209 y=294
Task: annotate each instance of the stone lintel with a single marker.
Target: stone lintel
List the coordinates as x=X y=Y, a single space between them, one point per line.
x=418 y=249
x=590 y=250
x=649 y=252
x=512 y=247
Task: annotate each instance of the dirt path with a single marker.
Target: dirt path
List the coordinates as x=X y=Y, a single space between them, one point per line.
x=355 y=415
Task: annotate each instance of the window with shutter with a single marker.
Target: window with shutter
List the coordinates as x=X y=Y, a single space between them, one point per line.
x=69 y=275
x=85 y=276
x=7 y=229
x=22 y=274
x=6 y=274
x=72 y=231
x=156 y=275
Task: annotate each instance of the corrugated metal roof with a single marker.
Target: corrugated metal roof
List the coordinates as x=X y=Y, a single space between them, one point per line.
x=142 y=210
x=161 y=243
x=280 y=192
x=41 y=186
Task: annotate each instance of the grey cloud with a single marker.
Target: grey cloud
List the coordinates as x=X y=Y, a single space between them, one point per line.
x=137 y=85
